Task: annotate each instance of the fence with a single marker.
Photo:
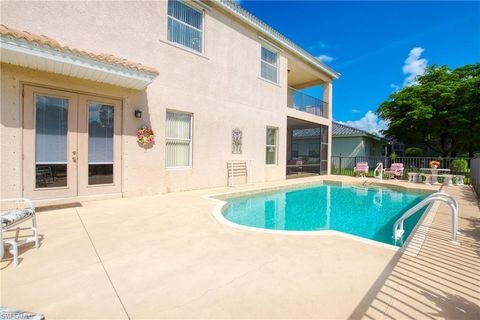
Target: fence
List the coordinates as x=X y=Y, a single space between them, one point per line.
x=344 y=165
x=475 y=174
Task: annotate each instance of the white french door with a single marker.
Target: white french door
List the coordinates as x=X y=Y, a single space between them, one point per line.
x=71 y=144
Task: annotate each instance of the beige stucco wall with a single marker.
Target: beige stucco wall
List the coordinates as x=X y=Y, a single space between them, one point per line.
x=221 y=88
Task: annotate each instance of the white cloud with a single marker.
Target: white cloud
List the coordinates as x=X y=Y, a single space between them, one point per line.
x=325 y=58
x=414 y=66
x=394 y=87
x=317 y=46
x=370 y=122
x=355 y=111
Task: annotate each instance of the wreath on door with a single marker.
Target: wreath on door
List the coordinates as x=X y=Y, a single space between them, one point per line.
x=145 y=136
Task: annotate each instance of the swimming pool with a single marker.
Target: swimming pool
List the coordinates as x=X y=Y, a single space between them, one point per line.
x=367 y=212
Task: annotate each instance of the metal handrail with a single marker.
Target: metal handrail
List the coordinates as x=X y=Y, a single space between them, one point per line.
x=398 y=230
x=378 y=169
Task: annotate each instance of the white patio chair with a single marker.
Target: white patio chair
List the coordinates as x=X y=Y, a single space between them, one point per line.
x=19 y=210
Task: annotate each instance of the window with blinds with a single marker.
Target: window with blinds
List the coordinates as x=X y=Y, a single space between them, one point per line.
x=272 y=145
x=178 y=135
x=185 y=25
x=100 y=143
x=269 y=65
x=51 y=131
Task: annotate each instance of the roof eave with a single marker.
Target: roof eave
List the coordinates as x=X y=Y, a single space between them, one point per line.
x=44 y=58
x=262 y=27
x=358 y=135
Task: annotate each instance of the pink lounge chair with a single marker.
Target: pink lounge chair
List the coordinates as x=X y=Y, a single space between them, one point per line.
x=361 y=169
x=395 y=170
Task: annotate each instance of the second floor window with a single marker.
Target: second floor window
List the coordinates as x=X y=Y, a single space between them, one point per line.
x=269 y=68
x=185 y=25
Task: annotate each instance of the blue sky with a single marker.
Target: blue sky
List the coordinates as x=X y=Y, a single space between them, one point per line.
x=376 y=46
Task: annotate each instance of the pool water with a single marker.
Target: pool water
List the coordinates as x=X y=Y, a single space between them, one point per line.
x=368 y=212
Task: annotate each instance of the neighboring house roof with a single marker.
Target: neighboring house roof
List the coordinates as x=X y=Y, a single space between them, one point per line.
x=306 y=133
x=338 y=130
x=42 y=40
x=261 y=26
x=341 y=130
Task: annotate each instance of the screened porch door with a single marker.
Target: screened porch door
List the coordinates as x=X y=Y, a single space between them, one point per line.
x=71 y=144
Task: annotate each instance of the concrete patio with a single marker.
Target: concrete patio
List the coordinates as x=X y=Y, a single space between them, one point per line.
x=166 y=256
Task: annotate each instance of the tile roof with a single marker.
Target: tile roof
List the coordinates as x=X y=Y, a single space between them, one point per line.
x=306 y=133
x=339 y=130
x=101 y=57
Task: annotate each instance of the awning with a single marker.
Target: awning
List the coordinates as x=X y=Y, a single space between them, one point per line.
x=42 y=53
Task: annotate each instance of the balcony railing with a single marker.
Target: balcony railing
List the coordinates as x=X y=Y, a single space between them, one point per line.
x=306 y=103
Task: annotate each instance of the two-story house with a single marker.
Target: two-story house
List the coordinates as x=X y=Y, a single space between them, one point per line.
x=193 y=71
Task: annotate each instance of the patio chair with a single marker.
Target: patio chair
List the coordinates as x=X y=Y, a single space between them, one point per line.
x=20 y=210
x=295 y=165
x=395 y=170
x=361 y=169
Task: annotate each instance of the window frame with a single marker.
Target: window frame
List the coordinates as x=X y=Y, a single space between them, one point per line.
x=272 y=145
x=200 y=10
x=190 y=155
x=277 y=67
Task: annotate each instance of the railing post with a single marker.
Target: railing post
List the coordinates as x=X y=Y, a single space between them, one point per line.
x=340 y=164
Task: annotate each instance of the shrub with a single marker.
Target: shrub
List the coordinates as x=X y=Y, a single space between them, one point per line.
x=459 y=165
x=413 y=152
x=393 y=156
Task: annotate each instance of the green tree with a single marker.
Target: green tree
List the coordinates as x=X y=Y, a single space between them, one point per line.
x=413 y=152
x=441 y=110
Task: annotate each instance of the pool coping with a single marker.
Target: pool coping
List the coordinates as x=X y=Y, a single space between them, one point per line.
x=411 y=246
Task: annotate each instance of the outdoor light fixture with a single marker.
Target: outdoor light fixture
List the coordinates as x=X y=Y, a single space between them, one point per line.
x=138 y=114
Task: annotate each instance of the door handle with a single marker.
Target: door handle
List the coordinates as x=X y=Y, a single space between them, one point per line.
x=74 y=157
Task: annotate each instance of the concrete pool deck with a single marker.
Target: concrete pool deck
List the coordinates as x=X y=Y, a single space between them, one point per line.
x=166 y=256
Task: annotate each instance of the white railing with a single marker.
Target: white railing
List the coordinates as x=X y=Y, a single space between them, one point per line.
x=378 y=172
x=398 y=230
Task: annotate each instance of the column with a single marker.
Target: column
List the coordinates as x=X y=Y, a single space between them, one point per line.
x=327 y=97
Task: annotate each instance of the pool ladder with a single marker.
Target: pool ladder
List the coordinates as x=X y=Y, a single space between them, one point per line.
x=378 y=172
x=398 y=230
